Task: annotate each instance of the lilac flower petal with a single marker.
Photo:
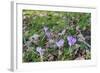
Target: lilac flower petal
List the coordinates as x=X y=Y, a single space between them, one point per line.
x=60 y=43
x=71 y=40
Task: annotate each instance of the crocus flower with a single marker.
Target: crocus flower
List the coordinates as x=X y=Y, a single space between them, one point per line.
x=71 y=40
x=60 y=43
x=45 y=28
x=40 y=50
x=48 y=34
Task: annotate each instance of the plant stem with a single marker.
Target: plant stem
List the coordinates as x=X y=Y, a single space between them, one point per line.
x=59 y=52
x=41 y=58
x=70 y=50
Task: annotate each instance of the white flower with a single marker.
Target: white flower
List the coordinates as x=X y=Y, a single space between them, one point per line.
x=62 y=33
x=40 y=50
x=35 y=37
x=45 y=28
x=51 y=41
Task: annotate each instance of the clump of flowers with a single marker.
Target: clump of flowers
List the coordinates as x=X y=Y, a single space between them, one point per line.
x=53 y=42
x=50 y=42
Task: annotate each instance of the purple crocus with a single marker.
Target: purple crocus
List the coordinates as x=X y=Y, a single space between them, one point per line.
x=60 y=43
x=71 y=40
x=40 y=50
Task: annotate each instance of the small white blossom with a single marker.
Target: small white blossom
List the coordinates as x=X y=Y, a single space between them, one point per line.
x=40 y=50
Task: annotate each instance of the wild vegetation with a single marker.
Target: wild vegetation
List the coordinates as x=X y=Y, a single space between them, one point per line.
x=56 y=36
